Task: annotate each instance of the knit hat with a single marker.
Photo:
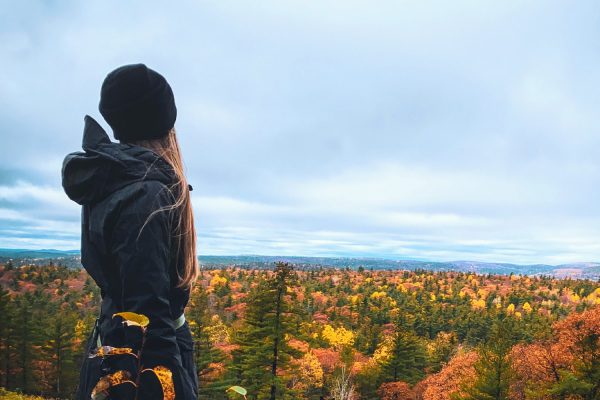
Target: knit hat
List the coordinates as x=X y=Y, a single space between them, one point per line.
x=138 y=103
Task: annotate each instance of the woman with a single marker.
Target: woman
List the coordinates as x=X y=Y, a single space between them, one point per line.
x=138 y=239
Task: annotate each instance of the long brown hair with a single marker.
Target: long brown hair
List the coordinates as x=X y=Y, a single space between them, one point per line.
x=168 y=148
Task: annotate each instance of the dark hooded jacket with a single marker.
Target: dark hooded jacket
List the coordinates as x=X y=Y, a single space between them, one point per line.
x=119 y=186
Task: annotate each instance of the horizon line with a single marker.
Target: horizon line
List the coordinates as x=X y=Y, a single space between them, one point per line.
x=382 y=258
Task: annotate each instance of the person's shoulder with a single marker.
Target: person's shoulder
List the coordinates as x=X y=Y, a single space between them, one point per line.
x=142 y=196
x=149 y=191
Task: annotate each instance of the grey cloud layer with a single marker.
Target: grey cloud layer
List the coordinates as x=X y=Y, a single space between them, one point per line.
x=409 y=129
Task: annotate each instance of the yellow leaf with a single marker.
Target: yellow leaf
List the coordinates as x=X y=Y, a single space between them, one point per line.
x=132 y=318
x=165 y=377
x=106 y=382
x=338 y=337
x=518 y=314
x=239 y=390
x=112 y=351
x=478 y=304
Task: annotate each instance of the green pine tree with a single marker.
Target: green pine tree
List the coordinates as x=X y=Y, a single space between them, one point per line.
x=58 y=348
x=408 y=359
x=263 y=348
x=25 y=334
x=570 y=384
x=207 y=355
x=7 y=339
x=493 y=367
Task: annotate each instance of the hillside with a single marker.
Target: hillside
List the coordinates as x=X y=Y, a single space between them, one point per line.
x=378 y=334
x=582 y=270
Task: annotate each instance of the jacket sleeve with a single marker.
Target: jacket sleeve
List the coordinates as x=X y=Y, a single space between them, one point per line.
x=143 y=264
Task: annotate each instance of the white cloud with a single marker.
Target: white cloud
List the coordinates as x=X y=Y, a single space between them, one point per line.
x=428 y=129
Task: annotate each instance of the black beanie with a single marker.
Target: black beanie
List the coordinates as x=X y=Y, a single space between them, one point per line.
x=138 y=103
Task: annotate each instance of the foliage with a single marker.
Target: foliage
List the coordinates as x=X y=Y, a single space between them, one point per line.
x=406 y=358
x=134 y=383
x=6 y=395
x=312 y=333
x=264 y=350
x=396 y=391
x=493 y=366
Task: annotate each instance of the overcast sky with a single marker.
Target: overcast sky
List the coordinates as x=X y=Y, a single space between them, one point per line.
x=407 y=129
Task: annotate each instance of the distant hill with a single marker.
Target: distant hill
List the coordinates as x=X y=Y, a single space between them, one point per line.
x=577 y=270
x=69 y=258
x=583 y=270
x=42 y=253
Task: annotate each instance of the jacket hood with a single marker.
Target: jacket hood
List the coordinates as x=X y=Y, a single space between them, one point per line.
x=103 y=167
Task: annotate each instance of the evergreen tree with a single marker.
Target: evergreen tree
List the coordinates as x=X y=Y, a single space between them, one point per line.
x=207 y=355
x=572 y=385
x=407 y=360
x=7 y=336
x=493 y=366
x=441 y=349
x=26 y=337
x=263 y=348
x=58 y=348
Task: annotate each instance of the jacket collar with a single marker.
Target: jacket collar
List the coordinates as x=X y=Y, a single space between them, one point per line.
x=93 y=134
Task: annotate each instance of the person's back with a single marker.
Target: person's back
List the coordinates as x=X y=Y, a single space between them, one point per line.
x=134 y=205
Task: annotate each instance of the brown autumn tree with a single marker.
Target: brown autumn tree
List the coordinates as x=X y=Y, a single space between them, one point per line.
x=579 y=336
x=396 y=391
x=449 y=381
x=537 y=367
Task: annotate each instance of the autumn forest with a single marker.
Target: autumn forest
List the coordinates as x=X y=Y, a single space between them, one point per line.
x=325 y=333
